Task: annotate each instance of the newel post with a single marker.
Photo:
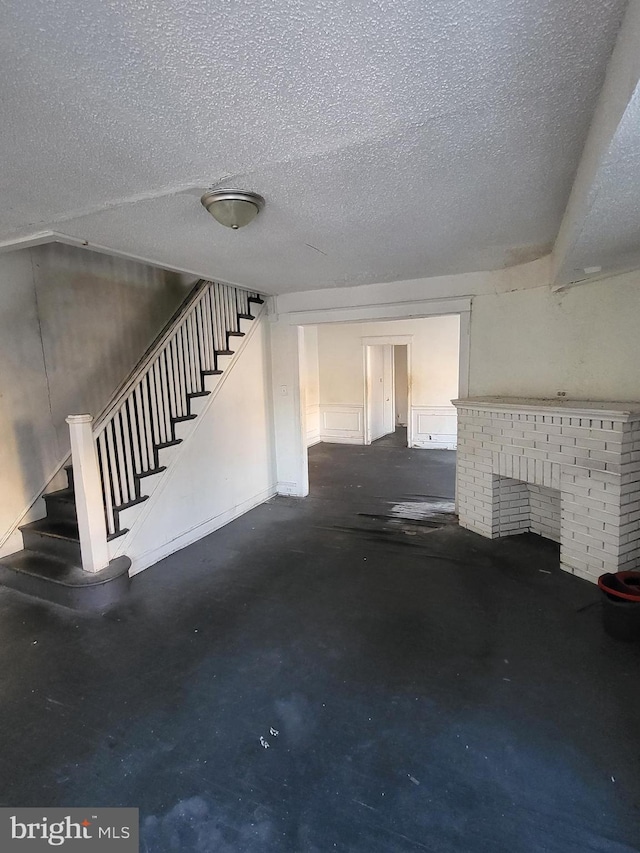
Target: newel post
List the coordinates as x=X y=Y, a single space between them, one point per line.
x=89 y=504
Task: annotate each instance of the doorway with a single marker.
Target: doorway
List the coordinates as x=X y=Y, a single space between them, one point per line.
x=401 y=385
x=387 y=388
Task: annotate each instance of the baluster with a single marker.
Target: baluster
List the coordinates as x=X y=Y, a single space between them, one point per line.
x=165 y=389
x=180 y=378
x=202 y=338
x=228 y=324
x=171 y=379
x=191 y=356
x=142 y=455
x=196 y=358
x=135 y=415
x=113 y=464
x=147 y=435
x=107 y=479
x=215 y=311
x=209 y=330
x=126 y=437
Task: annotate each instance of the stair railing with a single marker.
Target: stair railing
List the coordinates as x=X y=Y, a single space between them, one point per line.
x=141 y=417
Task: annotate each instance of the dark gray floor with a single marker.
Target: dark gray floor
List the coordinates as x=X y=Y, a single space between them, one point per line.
x=430 y=690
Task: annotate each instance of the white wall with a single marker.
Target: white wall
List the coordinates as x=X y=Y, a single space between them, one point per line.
x=434 y=377
x=524 y=338
x=310 y=383
x=401 y=381
x=584 y=341
x=224 y=468
x=72 y=325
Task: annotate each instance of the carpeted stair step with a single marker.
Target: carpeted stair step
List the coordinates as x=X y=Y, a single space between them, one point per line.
x=61 y=505
x=52 y=579
x=59 y=539
x=69 y=470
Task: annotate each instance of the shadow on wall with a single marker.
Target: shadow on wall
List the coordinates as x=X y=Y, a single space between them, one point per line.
x=98 y=315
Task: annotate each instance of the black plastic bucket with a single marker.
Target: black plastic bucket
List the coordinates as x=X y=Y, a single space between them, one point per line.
x=621 y=605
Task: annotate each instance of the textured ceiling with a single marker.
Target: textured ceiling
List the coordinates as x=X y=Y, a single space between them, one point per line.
x=609 y=237
x=392 y=139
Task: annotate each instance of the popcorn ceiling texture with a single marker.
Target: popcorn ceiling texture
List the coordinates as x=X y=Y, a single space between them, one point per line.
x=392 y=140
x=610 y=231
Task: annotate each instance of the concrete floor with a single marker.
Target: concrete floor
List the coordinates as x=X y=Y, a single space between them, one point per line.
x=419 y=687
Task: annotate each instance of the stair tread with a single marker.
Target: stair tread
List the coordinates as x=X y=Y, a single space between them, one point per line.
x=224 y=352
x=129 y=504
x=66 y=495
x=60 y=571
x=237 y=334
x=56 y=529
x=151 y=472
x=164 y=444
x=246 y=317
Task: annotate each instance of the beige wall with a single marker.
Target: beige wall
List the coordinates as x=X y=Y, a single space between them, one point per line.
x=434 y=353
x=72 y=325
x=401 y=384
x=433 y=378
x=584 y=341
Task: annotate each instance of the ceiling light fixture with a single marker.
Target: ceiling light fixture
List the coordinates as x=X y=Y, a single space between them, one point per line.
x=233 y=208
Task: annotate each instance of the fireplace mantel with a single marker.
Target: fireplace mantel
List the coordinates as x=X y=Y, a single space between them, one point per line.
x=567 y=469
x=553 y=405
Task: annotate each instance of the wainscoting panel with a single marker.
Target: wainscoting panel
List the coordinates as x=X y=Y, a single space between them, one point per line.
x=342 y=424
x=434 y=427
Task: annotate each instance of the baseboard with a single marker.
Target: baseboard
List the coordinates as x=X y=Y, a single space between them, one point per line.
x=327 y=438
x=436 y=443
x=150 y=558
x=313 y=440
x=289 y=489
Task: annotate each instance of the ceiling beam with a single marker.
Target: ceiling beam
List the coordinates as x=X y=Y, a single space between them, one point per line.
x=621 y=81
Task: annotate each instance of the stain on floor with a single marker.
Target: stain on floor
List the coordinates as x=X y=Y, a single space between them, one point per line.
x=430 y=692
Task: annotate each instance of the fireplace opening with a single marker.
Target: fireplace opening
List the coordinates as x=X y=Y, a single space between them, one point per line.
x=527 y=508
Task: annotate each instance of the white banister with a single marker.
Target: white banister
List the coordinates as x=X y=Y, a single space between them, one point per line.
x=141 y=417
x=88 y=494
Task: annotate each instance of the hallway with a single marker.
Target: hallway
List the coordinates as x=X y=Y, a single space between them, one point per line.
x=348 y=672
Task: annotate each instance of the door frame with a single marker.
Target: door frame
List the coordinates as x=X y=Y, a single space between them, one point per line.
x=386 y=340
x=291 y=461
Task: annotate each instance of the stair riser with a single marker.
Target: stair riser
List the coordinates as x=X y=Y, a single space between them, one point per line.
x=69 y=470
x=64 y=549
x=60 y=510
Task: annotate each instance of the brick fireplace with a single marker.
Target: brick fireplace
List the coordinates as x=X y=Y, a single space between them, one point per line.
x=567 y=470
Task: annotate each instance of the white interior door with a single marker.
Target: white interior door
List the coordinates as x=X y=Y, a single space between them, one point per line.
x=388 y=404
x=374 y=363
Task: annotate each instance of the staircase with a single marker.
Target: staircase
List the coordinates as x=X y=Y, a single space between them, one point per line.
x=132 y=436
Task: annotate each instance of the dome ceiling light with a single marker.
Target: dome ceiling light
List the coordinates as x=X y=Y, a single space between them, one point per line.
x=233 y=208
